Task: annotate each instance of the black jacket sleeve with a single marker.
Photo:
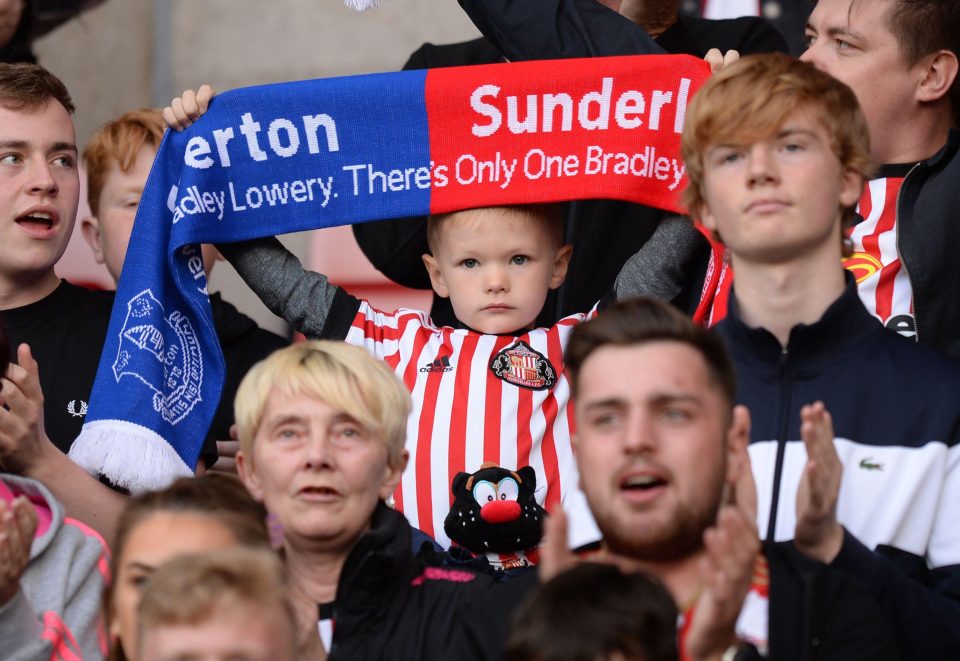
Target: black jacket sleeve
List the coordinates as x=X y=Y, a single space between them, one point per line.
x=557 y=29
x=925 y=618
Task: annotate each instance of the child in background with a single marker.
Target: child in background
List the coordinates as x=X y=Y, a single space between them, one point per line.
x=230 y=605
x=211 y=513
x=595 y=612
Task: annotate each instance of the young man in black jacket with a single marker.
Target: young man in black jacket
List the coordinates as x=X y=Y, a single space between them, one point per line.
x=662 y=456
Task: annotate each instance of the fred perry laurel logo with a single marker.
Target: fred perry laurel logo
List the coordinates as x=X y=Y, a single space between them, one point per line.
x=520 y=365
x=74 y=410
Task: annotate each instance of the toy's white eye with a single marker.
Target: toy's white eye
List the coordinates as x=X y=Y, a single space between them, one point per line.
x=508 y=489
x=484 y=492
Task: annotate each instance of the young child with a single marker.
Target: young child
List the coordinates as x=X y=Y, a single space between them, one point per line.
x=228 y=605
x=492 y=389
x=596 y=612
x=118 y=159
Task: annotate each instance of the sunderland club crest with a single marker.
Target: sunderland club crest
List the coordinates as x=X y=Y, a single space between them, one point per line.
x=163 y=353
x=520 y=365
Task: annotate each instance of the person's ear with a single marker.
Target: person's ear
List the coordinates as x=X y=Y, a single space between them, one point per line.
x=851 y=188
x=437 y=280
x=742 y=488
x=707 y=219
x=561 y=262
x=392 y=475
x=248 y=475
x=938 y=71
x=90 y=229
x=113 y=626
x=738 y=438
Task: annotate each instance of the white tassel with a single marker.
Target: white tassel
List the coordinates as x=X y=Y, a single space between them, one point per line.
x=361 y=5
x=129 y=455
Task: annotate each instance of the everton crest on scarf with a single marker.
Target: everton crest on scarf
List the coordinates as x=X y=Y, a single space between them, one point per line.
x=285 y=158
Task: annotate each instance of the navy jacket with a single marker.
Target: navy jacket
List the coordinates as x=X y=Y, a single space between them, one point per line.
x=896 y=413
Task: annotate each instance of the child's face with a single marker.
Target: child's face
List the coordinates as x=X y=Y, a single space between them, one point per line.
x=241 y=630
x=109 y=233
x=496 y=266
x=118 y=207
x=779 y=199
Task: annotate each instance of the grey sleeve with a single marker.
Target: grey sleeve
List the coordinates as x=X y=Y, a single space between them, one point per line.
x=83 y=613
x=21 y=634
x=659 y=268
x=58 y=607
x=301 y=298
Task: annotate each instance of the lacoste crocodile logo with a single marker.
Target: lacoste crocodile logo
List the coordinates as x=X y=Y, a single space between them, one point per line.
x=868 y=465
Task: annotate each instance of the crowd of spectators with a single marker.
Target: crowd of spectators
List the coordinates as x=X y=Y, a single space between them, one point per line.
x=753 y=410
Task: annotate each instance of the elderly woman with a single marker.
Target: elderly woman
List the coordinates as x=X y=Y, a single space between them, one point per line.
x=322 y=428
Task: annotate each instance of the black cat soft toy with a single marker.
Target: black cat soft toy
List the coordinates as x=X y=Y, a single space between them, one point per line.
x=495 y=515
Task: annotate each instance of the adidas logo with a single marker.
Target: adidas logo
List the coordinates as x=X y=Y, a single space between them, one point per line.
x=441 y=364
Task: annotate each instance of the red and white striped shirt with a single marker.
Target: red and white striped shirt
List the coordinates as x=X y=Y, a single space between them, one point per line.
x=479 y=398
x=882 y=282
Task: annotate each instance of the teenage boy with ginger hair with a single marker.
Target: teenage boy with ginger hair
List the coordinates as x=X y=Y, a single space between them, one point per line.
x=492 y=389
x=776 y=152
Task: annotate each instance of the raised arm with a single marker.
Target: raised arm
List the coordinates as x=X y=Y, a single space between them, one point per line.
x=663 y=267
x=301 y=298
x=923 y=617
x=555 y=29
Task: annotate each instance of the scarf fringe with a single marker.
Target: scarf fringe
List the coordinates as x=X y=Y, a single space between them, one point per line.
x=129 y=455
x=361 y=5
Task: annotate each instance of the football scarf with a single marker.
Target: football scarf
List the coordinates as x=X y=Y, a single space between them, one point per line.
x=299 y=156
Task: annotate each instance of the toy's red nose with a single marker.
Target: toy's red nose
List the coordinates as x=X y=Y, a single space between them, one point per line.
x=500 y=511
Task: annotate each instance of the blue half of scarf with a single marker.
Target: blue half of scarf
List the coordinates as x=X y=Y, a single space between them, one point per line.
x=266 y=160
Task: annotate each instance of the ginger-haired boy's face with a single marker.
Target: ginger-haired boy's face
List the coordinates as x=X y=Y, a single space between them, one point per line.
x=496 y=266
x=108 y=233
x=779 y=199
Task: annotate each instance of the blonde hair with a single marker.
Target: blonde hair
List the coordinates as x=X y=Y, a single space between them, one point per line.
x=190 y=589
x=752 y=98
x=551 y=215
x=343 y=376
x=117 y=144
